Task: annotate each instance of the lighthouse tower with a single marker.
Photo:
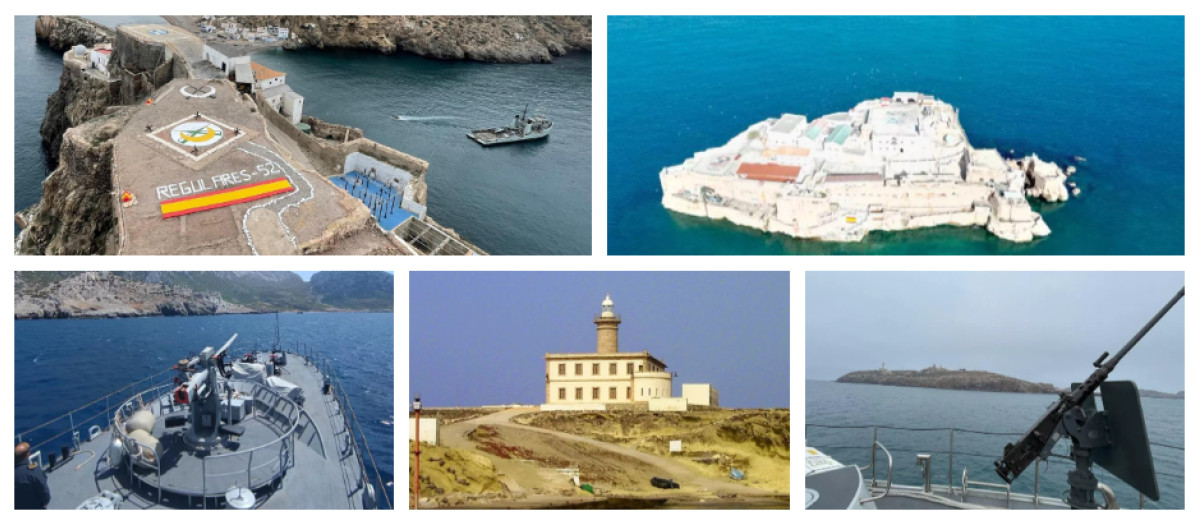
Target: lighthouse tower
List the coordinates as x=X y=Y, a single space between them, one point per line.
x=606 y=328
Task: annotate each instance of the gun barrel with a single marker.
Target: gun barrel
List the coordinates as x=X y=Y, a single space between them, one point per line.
x=1145 y=329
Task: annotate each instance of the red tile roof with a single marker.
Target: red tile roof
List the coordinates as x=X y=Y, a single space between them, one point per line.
x=262 y=72
x=768 y=172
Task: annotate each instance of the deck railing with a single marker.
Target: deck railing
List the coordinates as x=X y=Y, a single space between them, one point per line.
x=94 y=414
x=275 y=455
x=103 y=411
x=350 y=423
x=950 y=453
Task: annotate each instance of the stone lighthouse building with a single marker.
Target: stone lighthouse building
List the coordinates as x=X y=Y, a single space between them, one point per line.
x=591 y=381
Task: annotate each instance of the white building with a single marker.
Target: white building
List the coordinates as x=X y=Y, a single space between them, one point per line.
x=702 y=394
x=265 y=77
x=225 y=57
x=590 y=381
x=98 y=57
x=787 y=131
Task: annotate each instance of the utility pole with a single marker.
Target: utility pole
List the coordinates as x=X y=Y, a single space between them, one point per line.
x=417 y=462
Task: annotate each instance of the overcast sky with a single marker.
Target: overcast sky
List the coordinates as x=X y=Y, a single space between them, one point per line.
x=1038 y=326
x=479 y=337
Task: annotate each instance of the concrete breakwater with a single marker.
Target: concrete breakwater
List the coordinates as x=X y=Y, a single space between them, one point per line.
x=895 y=163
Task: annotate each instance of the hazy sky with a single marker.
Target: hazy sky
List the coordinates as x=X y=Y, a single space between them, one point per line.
x=308 y=275
x=1043 y=327
x=479 y=337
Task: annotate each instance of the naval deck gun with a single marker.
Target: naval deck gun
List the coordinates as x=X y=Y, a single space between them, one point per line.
x=202 y=394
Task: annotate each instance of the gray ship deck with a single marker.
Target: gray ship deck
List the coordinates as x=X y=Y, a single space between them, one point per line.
x=312 y=482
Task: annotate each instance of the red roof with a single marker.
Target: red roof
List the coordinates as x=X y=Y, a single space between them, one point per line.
x=262 y=72
x=104 y=51
x=768 y=172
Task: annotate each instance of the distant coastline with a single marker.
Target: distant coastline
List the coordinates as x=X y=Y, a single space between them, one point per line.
x=962 y=379
x=101 y=295
x=946 y=379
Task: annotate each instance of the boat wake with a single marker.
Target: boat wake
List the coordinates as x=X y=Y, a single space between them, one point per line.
x=415 y=118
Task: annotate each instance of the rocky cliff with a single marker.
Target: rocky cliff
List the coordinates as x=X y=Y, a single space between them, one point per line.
x=937 y=377
x=102 y=294
x=137 y=68
x=75 y=213
x=64 y=32
x=511 y=39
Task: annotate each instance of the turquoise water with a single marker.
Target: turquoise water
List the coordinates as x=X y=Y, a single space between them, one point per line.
x=830 y=403
x=1107 y=89
x=62 y=364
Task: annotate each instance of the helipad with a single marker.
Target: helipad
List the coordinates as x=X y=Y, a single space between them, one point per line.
x=196 y=136
x=210 y=179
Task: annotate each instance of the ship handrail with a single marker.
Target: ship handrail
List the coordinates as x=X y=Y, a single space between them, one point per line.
x=888 y=489
x=70 y=413
x=1007 y=488
x=951 y=452
x=285 y=440
x=322 y=365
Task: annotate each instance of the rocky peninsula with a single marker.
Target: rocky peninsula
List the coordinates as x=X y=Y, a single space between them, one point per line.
x=262 y=178
x=945 y=379
x=501 y=39
x=105 y=295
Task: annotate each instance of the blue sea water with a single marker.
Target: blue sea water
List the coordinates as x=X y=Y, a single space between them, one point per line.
x=62 y=364
x=1109 y=89
x=833 y=404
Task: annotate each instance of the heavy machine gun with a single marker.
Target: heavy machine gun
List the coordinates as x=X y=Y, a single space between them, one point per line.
x=1115 y=438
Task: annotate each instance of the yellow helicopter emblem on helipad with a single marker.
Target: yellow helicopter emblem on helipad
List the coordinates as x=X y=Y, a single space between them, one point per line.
x=202 y=134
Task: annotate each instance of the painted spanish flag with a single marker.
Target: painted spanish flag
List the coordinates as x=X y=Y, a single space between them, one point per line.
x=221 y=198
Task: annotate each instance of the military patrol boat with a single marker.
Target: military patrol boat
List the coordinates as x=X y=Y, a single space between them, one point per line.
x=1113 y=437
x=272 y=429
x=524 y=128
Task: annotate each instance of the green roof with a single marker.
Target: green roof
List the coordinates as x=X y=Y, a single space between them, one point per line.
x=840 y=134
x=812 y=132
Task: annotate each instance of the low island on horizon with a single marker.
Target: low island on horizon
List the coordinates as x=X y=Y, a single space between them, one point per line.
x=941 y=378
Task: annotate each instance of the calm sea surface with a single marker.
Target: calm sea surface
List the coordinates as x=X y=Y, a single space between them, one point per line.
x=532 y=198
x=1107 y=89
x=840 y=404
x=61 y=364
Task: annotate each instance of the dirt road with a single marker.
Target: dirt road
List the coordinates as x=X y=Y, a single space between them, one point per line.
x=622 y=467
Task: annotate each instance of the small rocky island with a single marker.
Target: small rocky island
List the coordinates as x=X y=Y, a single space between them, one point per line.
x=946 y=379
x=893 y=163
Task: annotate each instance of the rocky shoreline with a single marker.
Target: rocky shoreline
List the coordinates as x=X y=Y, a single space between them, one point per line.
x=63 y=32
x=498 y=39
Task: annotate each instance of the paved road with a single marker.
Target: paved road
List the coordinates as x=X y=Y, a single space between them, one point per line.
x=455 y=435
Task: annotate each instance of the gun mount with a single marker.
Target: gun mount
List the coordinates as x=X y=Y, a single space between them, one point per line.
x=202 y=394
x=1094 y=434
